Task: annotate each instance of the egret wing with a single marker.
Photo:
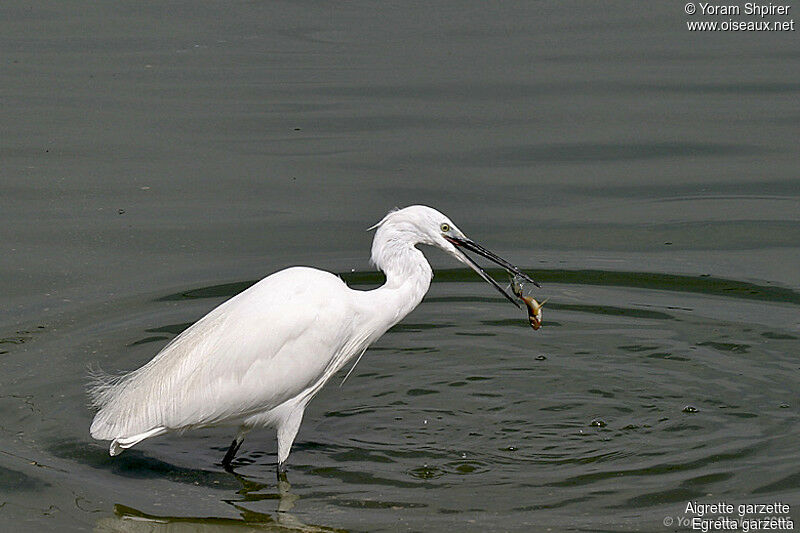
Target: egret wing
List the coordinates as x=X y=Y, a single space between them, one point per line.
x=255 y=351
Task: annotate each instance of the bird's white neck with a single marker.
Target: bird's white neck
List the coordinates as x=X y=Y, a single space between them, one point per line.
x=408 y=273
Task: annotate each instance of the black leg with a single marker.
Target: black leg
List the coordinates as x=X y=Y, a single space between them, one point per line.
x=282 y=471
x=231 y=453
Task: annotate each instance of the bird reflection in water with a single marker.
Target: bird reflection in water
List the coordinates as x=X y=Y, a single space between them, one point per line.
x=127 y=519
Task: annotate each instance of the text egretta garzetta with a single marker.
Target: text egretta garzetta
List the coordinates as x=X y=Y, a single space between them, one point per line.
x=258 y=358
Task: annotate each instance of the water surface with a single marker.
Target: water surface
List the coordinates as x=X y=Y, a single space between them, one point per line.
x=157 y=160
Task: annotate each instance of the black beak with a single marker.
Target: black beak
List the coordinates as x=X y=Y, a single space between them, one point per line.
x=472 y=246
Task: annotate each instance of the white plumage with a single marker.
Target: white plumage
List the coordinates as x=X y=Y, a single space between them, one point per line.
x=259 y=358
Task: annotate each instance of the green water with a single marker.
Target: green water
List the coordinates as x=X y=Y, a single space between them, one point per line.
x=156 y=160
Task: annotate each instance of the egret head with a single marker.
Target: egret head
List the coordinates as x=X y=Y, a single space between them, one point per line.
x=419 y=224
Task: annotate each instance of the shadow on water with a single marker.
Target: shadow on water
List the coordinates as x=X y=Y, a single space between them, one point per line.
x=14 y=480
x=129 y=519
x=237 y=488
x=703 y=284
x=136 y=464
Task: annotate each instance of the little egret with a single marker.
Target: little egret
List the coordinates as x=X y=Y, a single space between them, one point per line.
x=258 y=358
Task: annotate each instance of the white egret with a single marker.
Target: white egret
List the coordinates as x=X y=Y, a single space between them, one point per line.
x=258 y=358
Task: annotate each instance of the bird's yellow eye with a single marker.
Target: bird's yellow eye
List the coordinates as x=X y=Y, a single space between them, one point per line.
x=445 y=227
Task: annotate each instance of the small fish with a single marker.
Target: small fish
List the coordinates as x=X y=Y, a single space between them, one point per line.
x=534 y=307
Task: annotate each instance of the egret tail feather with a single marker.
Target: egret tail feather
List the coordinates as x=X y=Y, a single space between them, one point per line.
x=101 y=386
x=123 y=443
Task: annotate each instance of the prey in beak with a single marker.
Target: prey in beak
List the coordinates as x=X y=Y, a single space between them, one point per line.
x=462 y=243
x=534 y=307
